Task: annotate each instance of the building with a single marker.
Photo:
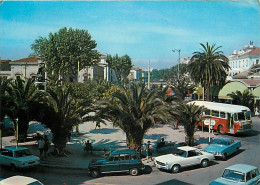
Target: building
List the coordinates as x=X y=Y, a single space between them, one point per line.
x=137 y=74
x=244 y=59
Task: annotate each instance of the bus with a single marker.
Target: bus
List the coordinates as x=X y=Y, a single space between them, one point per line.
x=225 y=118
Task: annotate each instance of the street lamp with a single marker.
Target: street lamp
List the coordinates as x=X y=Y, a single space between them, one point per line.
x=179 y=51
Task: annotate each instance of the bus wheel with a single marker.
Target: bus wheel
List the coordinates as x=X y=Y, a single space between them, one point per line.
x=221 y=129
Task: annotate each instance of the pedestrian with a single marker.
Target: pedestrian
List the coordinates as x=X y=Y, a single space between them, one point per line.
x=149 y=151
x=46 y=145
x=41 y=144
x=88 y=147
x=97 y=124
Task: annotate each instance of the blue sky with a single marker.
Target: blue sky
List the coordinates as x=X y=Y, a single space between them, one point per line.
x=145 y=30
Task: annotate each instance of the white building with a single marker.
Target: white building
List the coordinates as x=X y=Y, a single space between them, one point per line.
x=244 y=59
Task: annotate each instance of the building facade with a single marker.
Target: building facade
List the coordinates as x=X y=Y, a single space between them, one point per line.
x=244 y=59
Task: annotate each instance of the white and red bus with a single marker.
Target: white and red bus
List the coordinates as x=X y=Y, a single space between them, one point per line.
x=225 y=118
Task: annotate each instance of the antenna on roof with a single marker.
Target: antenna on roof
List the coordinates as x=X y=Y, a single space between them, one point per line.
x=251 y=43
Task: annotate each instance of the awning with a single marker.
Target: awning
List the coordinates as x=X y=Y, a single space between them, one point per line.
x=256 y=93
x=231 y=87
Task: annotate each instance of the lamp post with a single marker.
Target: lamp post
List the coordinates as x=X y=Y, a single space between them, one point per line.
x=179 y=51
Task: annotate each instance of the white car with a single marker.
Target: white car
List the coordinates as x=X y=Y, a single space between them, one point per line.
x=184 y=157
x=20 y=180
x=18 y=157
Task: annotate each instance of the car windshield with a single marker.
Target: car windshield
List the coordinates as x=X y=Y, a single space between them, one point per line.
x=181 y=153
x=22 y=153
x=219 y=142
x=234 y=175
x=248 y=115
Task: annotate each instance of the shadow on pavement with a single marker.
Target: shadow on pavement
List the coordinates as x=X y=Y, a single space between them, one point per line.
x=174 y=181
x=104 y=131
x=155 y=136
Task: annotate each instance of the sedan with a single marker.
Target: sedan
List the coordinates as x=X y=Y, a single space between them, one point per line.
x=239 y=174
x=20 y=180
x=18 y=157
x=223 y=147
x=184 y=157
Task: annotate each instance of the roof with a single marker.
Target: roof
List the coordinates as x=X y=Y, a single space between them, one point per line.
x=17 y=180
x=255 y=51
x=250 y=82
x=29 y=59
x=5 y=60
x=14 y=148
x=221 y=106
x=224 y=139
x=244 y=168
x=186 y=148
x=123 y=152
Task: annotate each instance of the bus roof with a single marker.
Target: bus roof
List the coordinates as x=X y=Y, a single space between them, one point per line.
x=221 y=106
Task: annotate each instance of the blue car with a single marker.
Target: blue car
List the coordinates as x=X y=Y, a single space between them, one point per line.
x=239 y=174
x=223 y=147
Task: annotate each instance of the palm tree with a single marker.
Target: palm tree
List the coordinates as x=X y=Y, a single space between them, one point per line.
x=135 y=110
x=209 y=67
x=4 y=98
x=244 y=98
x=22 y=93
x=188 y=115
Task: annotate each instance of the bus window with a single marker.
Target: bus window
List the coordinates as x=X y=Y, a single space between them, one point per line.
x=248 y=115
x=207 y=112
x=235 y=117
x=222 y=115
x=241 y=116
x=215 y=113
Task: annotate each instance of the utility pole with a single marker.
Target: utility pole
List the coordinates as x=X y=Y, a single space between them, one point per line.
x=149 y=75
x=179 y=51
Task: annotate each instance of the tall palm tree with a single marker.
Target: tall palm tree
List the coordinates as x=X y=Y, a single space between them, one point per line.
x=188 y=116
x=244 y=98
x=4 y=98
x=135 y=110
x=209 y=67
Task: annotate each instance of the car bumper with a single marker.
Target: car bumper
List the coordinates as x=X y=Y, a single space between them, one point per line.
x=161 y=166
x=29 y=165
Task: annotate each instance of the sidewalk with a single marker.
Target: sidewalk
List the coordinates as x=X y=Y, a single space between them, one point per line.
x=109 y=138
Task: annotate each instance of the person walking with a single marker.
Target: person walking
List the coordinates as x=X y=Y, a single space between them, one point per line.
x=46 y=145
x=41 y=144
x=149 y=151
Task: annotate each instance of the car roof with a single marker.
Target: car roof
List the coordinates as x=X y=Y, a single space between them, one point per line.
x=115 y=152
x=187 y=148
x=224 y=139
x=17 y=180
x=14 y=148
x=244 y=168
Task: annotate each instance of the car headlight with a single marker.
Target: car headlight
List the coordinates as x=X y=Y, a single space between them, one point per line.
x=219 y=153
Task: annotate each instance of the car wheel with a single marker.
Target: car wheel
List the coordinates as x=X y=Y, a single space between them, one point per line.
x=95 y=173
x=221 y=129
x=134 y=171
x=13 y=167
x=225 y=157
x=176 y=168
x=205 y=163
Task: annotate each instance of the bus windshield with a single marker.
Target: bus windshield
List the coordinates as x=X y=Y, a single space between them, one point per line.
x=242 y=116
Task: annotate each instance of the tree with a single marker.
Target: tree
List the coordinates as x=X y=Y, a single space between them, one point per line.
x=244 y=98
x=22 y=93
x=4 y=98
x=182 y=86
x=135 y=110
x=63 y=50
x=188 y=115
x=121 y=65
x=209 y=67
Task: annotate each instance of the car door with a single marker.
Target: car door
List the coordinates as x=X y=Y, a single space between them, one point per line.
x=112 y=164
x=192 y=158
x=124 y=162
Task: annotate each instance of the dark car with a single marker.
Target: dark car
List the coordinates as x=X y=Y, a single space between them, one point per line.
x=117 y=161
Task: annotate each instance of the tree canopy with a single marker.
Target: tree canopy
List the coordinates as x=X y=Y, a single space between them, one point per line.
x=64 y=49
x=121 y=65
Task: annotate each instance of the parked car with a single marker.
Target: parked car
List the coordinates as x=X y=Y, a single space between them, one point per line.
x=223 y=147
x=239 y=174
x=184 y=157
x=117 y=161
x=20 y=180
x=18 y=157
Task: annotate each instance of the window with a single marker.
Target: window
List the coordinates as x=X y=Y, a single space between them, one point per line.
x=253 y=173
x=248 y=176
x=207 y=112
x=215 y=113
x=133 y=157
x=192 y=153
x=222 y=114
x=7 y=153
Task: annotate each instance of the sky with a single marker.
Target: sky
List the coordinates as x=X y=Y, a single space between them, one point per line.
x=144 y=30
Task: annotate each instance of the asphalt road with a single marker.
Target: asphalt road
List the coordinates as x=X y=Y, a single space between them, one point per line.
x=248 y=154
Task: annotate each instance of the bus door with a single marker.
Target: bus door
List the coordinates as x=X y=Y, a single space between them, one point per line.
x=230 y=124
